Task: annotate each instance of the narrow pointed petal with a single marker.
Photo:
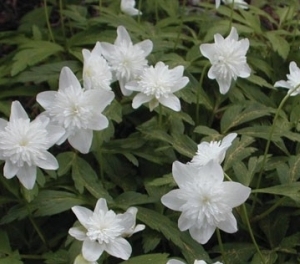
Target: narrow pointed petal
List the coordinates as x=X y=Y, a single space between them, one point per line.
x=172 y=200
x=17 y=111
x=27 y=176
x=99 y=97
x=54 y=134
x=202 y=234
x=283 y=84
x=101 y=205
x=67 y=78
x=182 y=172
x=224 y=85
x=91 y=250
x=122 y=35
x=3 y=124
x=81 y=140
x=236 y=193
x=140 y=99
x=208 y=50
x=233 y=34
x=146 y=46
x=229 y=225
x=185 y=222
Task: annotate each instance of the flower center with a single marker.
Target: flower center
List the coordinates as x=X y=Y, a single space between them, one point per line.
x=24 y=142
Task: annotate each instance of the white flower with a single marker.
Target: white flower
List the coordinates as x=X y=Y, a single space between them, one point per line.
x=126 y=60
x=102 y=230
x=75 y=109
x=81 y=260
x=293 y=80
x=24 y=145
x=205 y=201
x=127 y=7
x=237 y=3
x=157 y=85
x=228 y=59
x=134 y=228
x=96 y=72
x=212 y=151
x=175 y=261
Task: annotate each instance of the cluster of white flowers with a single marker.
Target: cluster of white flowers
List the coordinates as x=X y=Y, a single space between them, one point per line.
x=204 y=199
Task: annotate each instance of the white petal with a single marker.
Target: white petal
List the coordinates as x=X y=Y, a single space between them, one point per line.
x=86 y=55
x=175 y=261
x=122 y=36
x=67 y=78
x=127 y=220
x=99 y=122
x=233 y=34
x=244 y=70
x=101 y=206
x=81 y=140
x=83 y=214
x=10 y=169
x=229 y=225
x=172 y=200
x=140 y=99
x=27 y=176
x=182 y=82
x=218 y=38
x=123 y=82
x=91 y=250
x=54 y=134
x=133 y=86
x=49 y=163
x=202 y=234
x=17 y=111
x=211 y=172
x=208 y=50
x=46 y=99
x=97 y=50
x=218 y=2
x=146 y=46
x=108 y=50
x=182 y=173
x=119 y=248
x=171 y=101
x=185 y=222
x=235 y=193
x=283 y=84
x=78 y=232
x=3 y=124
x=99 y=98
x=227 y=140
x=224 y=84
x=293 y=67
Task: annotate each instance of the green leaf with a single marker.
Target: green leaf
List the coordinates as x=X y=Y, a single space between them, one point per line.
x=148 y=259
x=204 y=130
x=269 y=257
x=58 y=257
x=33 y=52
x=50 y=202
x=278 y=43
x=14 y=258
x=65 y=161
x=151 y=239
x=294 y=173
x=291 y=190
x=131 y=198
x=4 y=243
x=238 y=114
x=239 y=253
x=85 y=177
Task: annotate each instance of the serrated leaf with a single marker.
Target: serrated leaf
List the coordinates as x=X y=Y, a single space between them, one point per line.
x=238 y=114
x=291 y=190
x=33 y=52
x=85 y=177
x=278 y=43
x=50 y=202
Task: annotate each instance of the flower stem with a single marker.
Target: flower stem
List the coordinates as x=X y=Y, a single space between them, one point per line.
x=221 y=245
x=48 y=21
x=231 y=15
x=198 y=93
x=160 y=116
x=37 y=229
x=180 y=27
x=252 y=235
x=268 y=143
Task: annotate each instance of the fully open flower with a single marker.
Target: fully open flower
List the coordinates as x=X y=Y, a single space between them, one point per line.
x=24 y=145
x=102 y=230
x=228 y=59
x=157 y=85
x=77 y=110
x=126 y=60
x=204 y=200
x=96 y=72
x=293 y=80
x=212 y=151
x=127 y=7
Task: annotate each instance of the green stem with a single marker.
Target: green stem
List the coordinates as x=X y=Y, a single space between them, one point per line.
x=140 y=8
x=231 y=15
x=48 y=21
x=221 y=245
x=252 y=235
x=37 y=229
x=180 y=27
x=270 y=210
x=198 y=93
x=269 y=142
x=62 y=18
x=160 y=116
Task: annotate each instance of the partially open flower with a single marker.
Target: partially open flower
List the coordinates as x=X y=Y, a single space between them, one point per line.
x=127 y=7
